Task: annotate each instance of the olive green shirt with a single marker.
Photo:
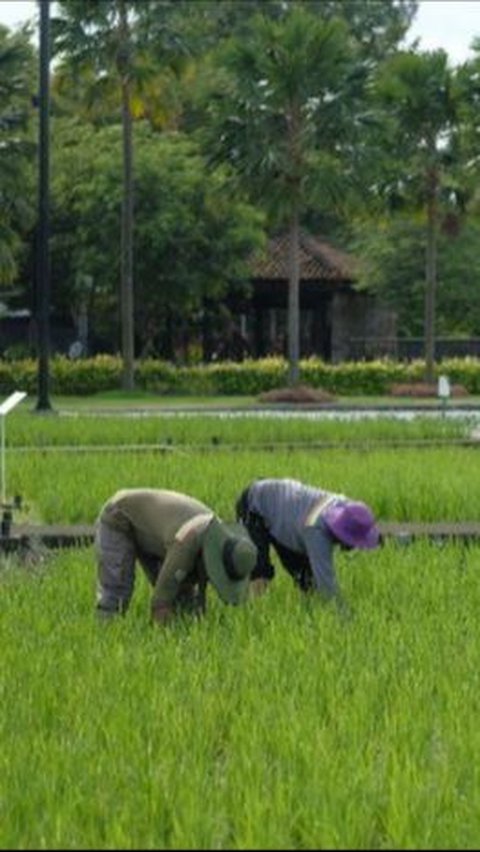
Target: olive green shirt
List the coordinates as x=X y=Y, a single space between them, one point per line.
x=167 y=525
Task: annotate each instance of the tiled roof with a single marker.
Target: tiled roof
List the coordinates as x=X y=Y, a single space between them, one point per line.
x=319 y=260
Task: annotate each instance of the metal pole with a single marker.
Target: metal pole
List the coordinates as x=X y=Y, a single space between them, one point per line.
x=43 y=270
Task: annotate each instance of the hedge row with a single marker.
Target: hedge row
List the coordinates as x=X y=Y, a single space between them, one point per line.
x=249 y=378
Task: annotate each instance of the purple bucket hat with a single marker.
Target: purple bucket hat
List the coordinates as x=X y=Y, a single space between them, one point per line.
x=353 y=524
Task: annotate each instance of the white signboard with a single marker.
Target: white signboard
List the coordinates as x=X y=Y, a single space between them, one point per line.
x=5 y=407
x=11 y=401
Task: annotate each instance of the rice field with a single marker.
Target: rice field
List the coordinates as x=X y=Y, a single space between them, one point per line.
x=75 y=429
x=275 y=725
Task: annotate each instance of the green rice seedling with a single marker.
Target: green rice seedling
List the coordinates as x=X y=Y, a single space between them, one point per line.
x=274 y=725
x=405 y=485
x=25 y=429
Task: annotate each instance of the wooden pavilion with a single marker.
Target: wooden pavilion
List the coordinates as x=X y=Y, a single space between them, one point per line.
x=334 y=315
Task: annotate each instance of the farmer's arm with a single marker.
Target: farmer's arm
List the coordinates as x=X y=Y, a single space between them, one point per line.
x=320 y=554
x=179 y=563
x=319 y=549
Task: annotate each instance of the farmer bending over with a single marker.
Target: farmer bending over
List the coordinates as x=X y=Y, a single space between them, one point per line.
x=180 y=544
x=303 y=524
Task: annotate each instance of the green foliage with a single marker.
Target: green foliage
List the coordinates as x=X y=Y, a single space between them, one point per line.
x=158 y=430
x=392 y=264
x=280 y=106
x=292 y=64
x=101 y=373
x=192 y=234
x=284 y=696
x=249 y=378
x=173 y=737
x=16 y=215
x=214 y=457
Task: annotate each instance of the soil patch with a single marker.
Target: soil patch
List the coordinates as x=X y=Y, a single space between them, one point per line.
x=299 y=394
x=424 y=389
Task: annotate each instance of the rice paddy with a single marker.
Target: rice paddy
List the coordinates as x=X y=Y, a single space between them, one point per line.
x=275 y=725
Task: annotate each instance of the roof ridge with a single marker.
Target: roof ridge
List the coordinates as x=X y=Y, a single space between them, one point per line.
x=320 y=259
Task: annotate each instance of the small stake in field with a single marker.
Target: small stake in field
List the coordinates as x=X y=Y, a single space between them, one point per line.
x=5 y=408
x=443 y=391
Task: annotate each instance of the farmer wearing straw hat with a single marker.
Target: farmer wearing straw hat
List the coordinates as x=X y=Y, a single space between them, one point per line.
x=303 y=524
x=180 y=544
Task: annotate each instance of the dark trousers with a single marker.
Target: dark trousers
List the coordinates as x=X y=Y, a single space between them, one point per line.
x=297 y=564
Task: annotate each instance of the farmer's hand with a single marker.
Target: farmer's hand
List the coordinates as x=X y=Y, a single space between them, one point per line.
x=344 y=609
x=162 y=613
x=257 y=587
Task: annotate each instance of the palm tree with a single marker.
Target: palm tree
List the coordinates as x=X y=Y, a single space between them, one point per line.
x=278 y=122
x=93 y=39
x=419 y=93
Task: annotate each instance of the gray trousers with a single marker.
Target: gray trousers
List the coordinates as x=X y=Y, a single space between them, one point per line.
x=117 y=554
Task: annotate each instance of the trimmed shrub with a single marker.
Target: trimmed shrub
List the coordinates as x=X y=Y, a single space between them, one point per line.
x=249 y=378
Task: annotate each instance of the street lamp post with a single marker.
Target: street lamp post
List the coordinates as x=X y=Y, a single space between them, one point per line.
x=42 y=248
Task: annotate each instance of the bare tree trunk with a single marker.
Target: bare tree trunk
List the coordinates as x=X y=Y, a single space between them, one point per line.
x=294 y=301
x=431 y=277
x=293 y=323
x=126 y=275
x=42 y=311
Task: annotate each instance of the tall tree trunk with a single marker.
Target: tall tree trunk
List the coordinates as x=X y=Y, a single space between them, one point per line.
x=431 y=276
x=294 y=300
x=294 y=124
x=43 y=229
x=126 y=275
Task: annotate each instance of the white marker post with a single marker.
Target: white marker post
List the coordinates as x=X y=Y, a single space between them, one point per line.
x=5 y=407
x=443 y=391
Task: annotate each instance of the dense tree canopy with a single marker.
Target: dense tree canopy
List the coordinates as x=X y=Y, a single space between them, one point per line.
x=16 y=91
x=421 y=125
x=193 y=236
x=239 y=117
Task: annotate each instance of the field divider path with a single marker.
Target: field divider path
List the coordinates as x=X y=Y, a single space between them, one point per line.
x=27 y=536
x=218 y=444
